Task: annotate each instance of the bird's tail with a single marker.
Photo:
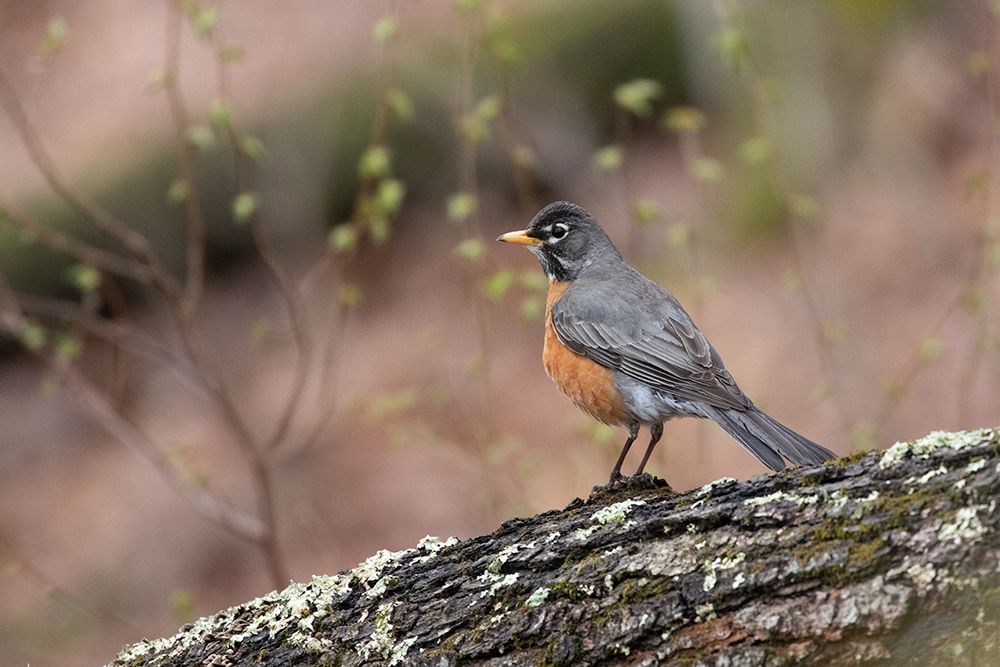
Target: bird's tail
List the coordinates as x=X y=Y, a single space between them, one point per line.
x=768 y=440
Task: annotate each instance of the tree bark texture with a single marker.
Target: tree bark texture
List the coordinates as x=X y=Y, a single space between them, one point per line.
x=884 y=558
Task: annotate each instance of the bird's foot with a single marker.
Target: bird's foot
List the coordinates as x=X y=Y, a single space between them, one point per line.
x=638 y=482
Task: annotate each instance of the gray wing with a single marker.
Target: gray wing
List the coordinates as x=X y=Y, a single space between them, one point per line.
x=644 y=333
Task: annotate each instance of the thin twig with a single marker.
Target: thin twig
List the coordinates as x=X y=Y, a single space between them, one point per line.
x=44 y=581
x=136 y=243
x=194 y=283
x=121 y=336
x=80 y=250
x=765 y=118
x=287 y=289
x=14 y=323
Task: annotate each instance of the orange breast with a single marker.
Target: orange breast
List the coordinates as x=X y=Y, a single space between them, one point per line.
x=590 y=386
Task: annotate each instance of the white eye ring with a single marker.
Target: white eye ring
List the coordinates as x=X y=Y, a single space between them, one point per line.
x=559 y=231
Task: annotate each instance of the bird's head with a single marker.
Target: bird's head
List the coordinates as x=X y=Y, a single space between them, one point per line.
x=565 y=239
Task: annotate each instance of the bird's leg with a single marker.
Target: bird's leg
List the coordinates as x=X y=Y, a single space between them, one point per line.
x=633 y=433
x=655 y=432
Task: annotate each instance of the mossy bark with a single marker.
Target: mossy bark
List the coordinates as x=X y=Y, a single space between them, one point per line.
x=885 y=558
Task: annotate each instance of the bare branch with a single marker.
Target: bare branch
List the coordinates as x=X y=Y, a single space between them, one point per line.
x=51 y=587
x=128 y=338
x=290 y=294
x=231 y=519
x=195 y=282
x=79 y=250
x=14 y=322
x=137 y=244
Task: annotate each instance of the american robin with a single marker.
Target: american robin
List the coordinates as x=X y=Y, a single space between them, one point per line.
x=624 y=351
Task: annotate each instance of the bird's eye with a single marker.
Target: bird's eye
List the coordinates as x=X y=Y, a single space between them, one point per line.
x=559 y=231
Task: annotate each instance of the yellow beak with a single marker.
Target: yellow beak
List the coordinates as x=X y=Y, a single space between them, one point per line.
x=520 y=237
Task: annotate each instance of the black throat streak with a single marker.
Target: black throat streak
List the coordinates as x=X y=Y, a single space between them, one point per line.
x=553 y=268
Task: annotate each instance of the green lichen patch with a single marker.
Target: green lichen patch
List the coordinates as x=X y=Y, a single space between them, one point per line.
x=965 y=526
x=934 y=441
x=782 y=496
x=615 y=513
x=382 y=640
x=538 y=597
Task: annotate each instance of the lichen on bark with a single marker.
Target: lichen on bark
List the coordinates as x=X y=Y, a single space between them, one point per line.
x=884 y=557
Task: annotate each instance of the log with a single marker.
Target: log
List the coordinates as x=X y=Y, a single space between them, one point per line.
x=886 y=557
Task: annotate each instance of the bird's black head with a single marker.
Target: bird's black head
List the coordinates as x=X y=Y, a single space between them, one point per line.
x=565 y=239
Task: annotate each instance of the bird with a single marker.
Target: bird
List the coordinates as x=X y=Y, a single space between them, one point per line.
x=622 y=348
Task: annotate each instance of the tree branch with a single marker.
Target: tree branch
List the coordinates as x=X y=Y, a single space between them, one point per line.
x=890 y=555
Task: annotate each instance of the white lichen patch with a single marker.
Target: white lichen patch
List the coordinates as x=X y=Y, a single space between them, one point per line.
x=538 y=597
x=976 y=465
x=705 y=611
x=711 y=486
x=928 y=476
x=922 y=575
x=432 y=545
x=382 y=640
x=933 y=441
x=837 y=502
x=797 y=498
x=738 y=580
x=966 y=525
x=718 y=564
x=296 y=605
x=506 y=581
x=371 y=569
x=498 y=581
x=582 y=534
x=504 y=555
x=615 y=513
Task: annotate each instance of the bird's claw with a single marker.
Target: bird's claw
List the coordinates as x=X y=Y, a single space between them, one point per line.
x=638 y=482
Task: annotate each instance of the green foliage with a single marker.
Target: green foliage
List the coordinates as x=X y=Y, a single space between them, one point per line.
x=389 y=195
x=178 y=191
x=221 y=115
x=733 y=45
x=244 y=206
x=498 y=284
x=684 y=119
x=350 y=295
x=400 y=104
x=376 y=162
x=461 y=205
x=84 y=278
x=34 y=336
x=231 y=53
x=930 y=349
x=470 y=249
x=66 y=346
x=706 y=169
x=202 y=19
x=390 y=404
x=755 y=150
x=646 y=211
x=55 y=36
x=201 y=137
x=343 y=238
x=608 y=157
x=253 y=147
x=385 y=28
x=637 y=96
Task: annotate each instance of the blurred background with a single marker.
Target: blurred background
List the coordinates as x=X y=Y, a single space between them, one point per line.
x=255 y=326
